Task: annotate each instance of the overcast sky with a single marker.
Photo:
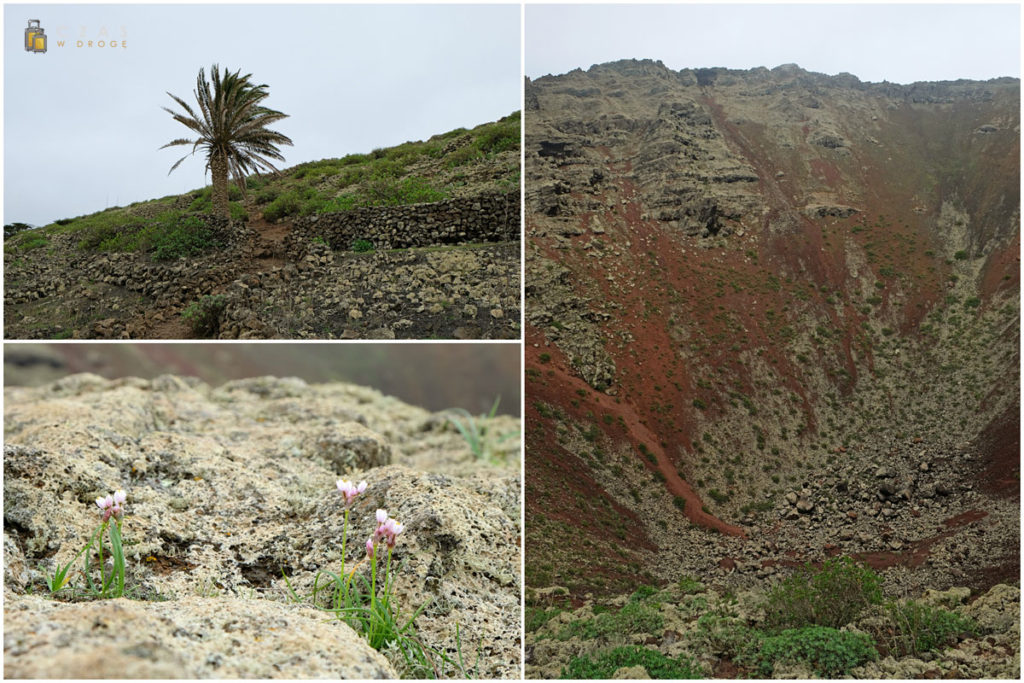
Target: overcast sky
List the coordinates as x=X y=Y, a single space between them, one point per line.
x=897 y=43
x=83 y=126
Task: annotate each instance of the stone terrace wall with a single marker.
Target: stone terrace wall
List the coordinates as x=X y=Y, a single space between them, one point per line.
x=174 y=282
x=483 y=218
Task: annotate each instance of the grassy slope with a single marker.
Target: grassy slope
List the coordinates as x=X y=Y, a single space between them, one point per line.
x=457 y=163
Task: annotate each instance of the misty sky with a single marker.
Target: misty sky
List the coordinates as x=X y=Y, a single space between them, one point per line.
x=83 y=126
x=897 y=43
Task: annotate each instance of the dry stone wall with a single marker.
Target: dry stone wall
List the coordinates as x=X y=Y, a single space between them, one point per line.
x=482 y=218
x=167 y=282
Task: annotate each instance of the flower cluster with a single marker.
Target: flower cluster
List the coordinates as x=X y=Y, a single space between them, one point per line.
x=387 y=531
x=112 y=506
x=350 y=490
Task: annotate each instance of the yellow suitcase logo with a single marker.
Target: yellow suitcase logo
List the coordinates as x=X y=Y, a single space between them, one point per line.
x=35 y=37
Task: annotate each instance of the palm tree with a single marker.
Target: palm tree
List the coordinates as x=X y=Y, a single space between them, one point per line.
x=232 y=130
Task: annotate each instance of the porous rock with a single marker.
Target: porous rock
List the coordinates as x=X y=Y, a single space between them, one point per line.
x=188 y=638
x=230 y=489
x=997 y=610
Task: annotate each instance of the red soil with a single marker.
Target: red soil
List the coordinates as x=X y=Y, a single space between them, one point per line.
x=999 y=447
x=561 y=386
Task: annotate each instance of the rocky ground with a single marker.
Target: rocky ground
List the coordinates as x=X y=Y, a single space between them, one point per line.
x=267 y=292
x=229 y=490
x=690 y=621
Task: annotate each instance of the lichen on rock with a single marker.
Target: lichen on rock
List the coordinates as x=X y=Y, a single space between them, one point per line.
x=230 y=490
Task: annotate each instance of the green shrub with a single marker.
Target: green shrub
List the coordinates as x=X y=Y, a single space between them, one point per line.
x=204 y=315
x=410 y=190
x=605 y=664
x=301 y=201
x=266 y=195
x=960 y=255
x=237 y=212
x=463 y=155
x=362 y=246
x=499 y=137
x=12 y=229
x=286 y=204
x=688 y=584
x=828 y=652
x=345 y=202
x=634 y=617
x=718 y=496
x=27 y=241
x=832 y=596
x=536 y=617
x=642 y=593
x=721 y=634
x=175 y=236
x=912 y=628
x=103 y=229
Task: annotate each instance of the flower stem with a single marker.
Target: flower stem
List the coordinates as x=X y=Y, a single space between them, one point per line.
x=103 y=577
x=344 y=539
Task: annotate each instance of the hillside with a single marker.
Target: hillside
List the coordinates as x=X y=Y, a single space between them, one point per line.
x=444 y=210
x=772 y=317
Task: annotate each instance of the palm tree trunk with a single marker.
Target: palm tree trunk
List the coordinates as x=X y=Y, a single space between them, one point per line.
x=219 y=171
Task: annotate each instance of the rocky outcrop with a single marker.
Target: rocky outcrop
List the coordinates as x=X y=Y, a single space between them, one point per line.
x=230 y=490
x=193 y=637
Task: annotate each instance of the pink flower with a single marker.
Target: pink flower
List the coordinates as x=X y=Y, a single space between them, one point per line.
x=112 y=506
x=369 y=547
x=350 y=490
x=382 y=516
x=106 y=505
x=391 y=530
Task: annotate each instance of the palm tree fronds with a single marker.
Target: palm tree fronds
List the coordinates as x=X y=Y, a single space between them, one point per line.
x=231 y=125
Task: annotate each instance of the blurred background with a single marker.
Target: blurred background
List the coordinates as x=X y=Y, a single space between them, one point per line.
x=434 y=376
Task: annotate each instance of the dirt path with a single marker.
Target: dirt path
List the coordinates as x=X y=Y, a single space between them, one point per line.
x=676 y=485
x=268 y=253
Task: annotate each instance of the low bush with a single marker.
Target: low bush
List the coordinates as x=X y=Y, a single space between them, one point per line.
x=828 y=652
x=634 y=617
x=642 y=593
x=410 y=190
x=912 y=628
x=297 y=201
x=536 y=617
x=688 y=584
x=500 y=136
x=27 y=241
x=203 y=316
x=657 y=665
x=832 y=596
x=178 y=236
x=720 y=633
